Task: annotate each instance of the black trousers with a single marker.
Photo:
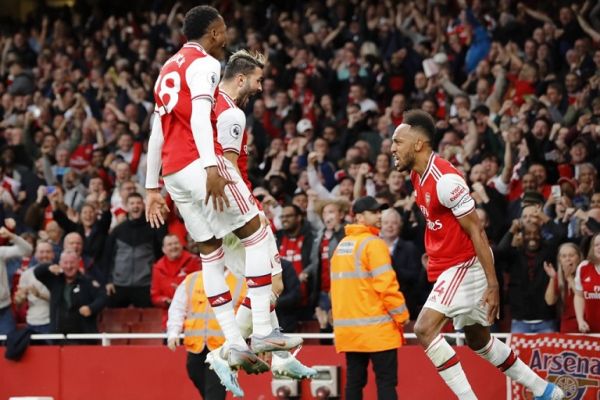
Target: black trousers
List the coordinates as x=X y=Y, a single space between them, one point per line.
x=137 y=296
x=385 y=365
x=205 y=379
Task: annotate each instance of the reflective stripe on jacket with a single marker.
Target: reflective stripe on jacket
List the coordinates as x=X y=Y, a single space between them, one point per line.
x=368 y=307
x=201 y=326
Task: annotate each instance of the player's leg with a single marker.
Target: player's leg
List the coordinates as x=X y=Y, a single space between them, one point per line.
x=385 y=366
x=443 y=302
x=356 y=374
x=503 y=357
x=442 y=355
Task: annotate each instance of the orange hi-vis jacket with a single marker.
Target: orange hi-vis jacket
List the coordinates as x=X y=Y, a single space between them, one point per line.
x=200 y=327
x=368 y=307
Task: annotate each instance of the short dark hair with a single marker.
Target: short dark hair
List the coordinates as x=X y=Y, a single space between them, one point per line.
x=297 y=210
x=197 y=21
x=243 y=62
x=134 y=195
x=422 y=121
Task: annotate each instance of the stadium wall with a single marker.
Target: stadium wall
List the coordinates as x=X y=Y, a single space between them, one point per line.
x=155 y=373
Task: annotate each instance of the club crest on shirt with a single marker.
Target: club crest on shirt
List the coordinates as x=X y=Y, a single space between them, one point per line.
x=235 y=131
x=427 y=199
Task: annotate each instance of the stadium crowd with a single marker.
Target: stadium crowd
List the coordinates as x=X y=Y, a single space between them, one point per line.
x=514 y=90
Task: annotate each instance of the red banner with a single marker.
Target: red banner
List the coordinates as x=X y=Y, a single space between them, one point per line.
x=570 y=361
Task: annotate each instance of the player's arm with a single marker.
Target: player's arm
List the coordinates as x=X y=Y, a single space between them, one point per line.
x=155 y=204
x=454 y=193
x=176 y=316
x=230 y=132
x=202 y=77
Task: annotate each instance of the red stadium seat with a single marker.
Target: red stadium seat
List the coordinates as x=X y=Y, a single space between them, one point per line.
x=147 y=327
x=127 y=315
x=152 y=314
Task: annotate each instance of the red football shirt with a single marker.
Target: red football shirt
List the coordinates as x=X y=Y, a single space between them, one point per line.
x=188 y=75
x=587 y=280
x=443 y=197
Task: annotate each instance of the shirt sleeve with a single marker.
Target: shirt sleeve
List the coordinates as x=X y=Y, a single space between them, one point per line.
x=578 y=285
x=177 y=311
x=202 y=77
x=230 y=129
x=453 y=193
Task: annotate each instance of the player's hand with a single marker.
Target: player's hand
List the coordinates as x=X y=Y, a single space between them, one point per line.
x=215 y=188
x=172 y=343
x=155 y=207
x=491 y=297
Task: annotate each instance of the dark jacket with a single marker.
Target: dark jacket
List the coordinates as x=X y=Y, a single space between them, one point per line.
x=315 y=267
x=83 y=293
x=411 y=275
x=527 y=279
x=287 y=304
x=130 y=252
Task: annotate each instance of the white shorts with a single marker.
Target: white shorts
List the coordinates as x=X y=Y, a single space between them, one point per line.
x=235 y=254
x=457 y=294
x=187 y=188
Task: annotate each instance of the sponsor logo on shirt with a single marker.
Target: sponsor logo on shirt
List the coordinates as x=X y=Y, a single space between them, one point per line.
x=457 y=192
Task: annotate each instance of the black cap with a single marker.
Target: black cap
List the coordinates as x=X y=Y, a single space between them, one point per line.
x=532 y=198
x=367 y=203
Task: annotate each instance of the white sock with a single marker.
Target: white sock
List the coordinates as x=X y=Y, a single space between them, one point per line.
x=243 y=317
x=447 y=363
x=502 y=357
x=258 y=279
x=219 y=296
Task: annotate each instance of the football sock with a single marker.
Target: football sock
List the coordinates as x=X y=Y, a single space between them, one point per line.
x=448 y=365
x=258 y=279
x=219 y=296
x=502 y=357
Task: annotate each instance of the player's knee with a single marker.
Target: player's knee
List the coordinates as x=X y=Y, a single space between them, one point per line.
x=249 y=228
x=423 y=329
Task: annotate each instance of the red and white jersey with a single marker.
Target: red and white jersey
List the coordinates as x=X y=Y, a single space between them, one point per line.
x=443 y=196
x=188 y=75
x=231 y=133
x=587 y=280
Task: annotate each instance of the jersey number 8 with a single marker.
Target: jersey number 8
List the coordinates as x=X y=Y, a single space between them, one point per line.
x=169 y=85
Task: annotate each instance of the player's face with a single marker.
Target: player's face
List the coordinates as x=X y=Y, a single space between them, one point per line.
x=403 y=149
x=252 y=84
x=219 y=36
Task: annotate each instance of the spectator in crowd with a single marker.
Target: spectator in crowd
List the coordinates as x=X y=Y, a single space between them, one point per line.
x=526 y=251
x=406 y=262
x=295 y=241
x=75 y=301
x=130 y=251
x=34 y=293
x=587 y=295
x=19 y=248
x=169 y=271
x=561 y=287
x=331 y=214
x=374 y=296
